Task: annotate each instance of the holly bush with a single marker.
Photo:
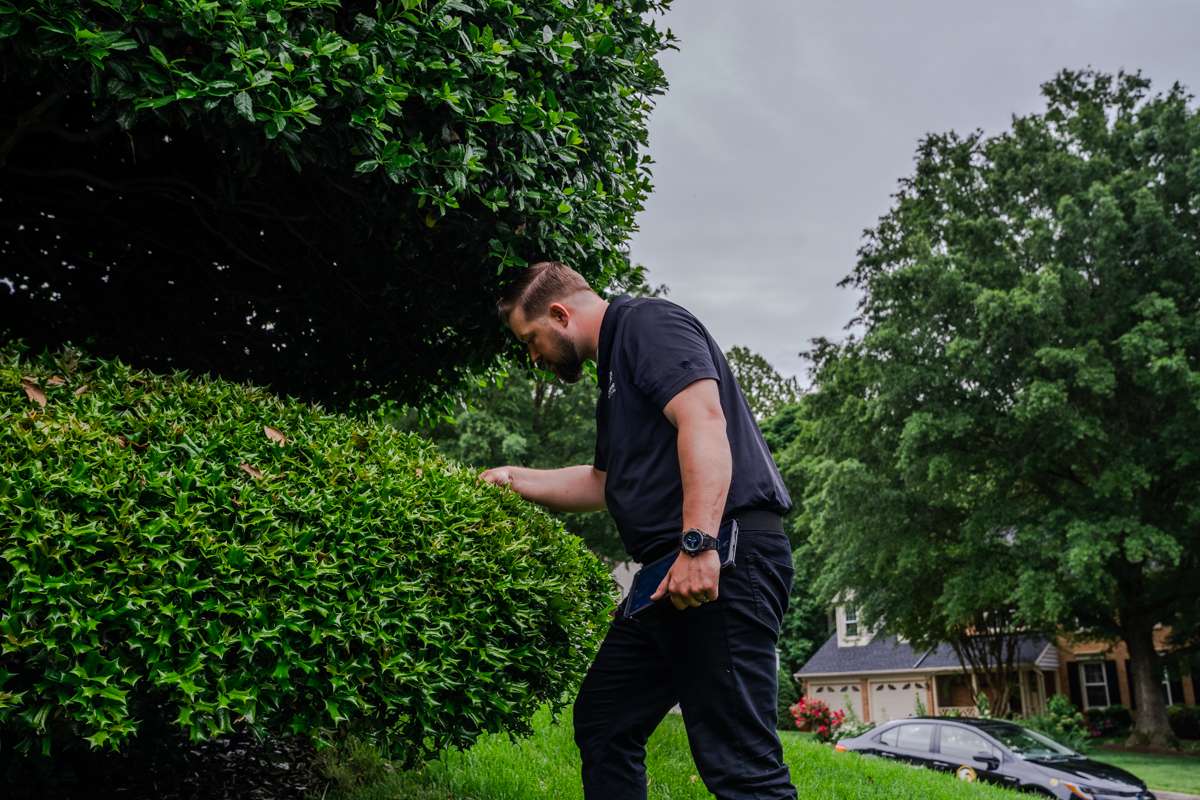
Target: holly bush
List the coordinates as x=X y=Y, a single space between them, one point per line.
x=203 y=550
x=272 y=189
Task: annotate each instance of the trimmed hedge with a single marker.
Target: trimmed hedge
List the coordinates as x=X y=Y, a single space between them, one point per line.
x=1114 y=720
x=206 y=549
x=1185 y=721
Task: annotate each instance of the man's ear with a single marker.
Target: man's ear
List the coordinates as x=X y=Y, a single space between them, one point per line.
x=559 y=314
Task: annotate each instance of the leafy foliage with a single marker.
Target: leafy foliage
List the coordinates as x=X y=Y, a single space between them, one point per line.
x=852 y=726
x=817 y=717
x=278 y=189
x=766 y=391
x=523 y=416
x=1016 y=424
x=203 y=549
x=806 y=624
x=1113 y=720
x=1062 y=722
x=1185 y=721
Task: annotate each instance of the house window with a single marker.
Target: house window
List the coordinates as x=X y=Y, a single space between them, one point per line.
x=851 y=622
x=1172 y=687
x=1095 y=684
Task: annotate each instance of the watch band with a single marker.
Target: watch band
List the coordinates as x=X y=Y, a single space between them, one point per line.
x=694 y=541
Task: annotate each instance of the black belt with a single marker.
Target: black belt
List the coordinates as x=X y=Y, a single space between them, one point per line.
x=748 y=519
x=757 y=519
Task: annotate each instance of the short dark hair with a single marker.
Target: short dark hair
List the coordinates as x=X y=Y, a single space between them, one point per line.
x=537 y=287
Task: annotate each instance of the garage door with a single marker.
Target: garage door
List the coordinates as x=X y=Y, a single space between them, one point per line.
x=896 y=699
x=838 y=696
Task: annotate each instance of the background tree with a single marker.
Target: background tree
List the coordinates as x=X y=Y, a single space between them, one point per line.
x=766 y=390
x=1023 y=394
x=806 y=624
x=319 y=197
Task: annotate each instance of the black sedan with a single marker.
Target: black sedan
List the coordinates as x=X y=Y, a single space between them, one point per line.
x=998 y=752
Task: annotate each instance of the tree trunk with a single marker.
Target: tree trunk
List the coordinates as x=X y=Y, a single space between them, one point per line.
x=1151 y=727
x=988 y=646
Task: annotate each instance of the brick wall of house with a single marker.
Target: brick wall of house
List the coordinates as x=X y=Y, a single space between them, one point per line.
x=1073 y=651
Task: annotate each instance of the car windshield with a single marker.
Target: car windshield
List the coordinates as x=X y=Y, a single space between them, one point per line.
x=1027 y=743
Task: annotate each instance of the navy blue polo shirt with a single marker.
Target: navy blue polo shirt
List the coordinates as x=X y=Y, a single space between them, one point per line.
x=651 y=349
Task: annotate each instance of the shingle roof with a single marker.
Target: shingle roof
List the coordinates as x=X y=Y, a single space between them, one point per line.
x=887 y=654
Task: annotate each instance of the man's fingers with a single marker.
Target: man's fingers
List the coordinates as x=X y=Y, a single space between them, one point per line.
x=498 y=476
x=662 y=587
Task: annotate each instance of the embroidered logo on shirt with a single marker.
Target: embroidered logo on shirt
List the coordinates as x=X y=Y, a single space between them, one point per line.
x=612 y=386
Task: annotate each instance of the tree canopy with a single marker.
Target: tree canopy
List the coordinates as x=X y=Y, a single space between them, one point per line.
x=317 y=196
x=766 y=391
x=1016 y=424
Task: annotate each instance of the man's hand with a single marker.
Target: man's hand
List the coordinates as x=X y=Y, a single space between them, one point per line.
x=578 y=488
x=500 y=476
x=692 y=580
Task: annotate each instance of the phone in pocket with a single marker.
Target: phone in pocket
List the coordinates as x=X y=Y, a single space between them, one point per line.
x=647 y=579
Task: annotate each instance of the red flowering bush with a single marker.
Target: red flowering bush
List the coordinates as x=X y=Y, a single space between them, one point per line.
x=816 y=716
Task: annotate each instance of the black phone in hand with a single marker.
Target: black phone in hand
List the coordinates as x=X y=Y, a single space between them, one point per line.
x=647 y=579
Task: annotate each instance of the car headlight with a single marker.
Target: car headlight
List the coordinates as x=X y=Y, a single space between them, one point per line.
x=1081 y=790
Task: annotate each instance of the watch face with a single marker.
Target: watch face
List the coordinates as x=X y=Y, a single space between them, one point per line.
x=692 y=540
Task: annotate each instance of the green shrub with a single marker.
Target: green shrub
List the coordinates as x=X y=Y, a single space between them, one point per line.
x=1061 y=721
x=788 y=694
x=1114 y=720
x=1185 y=721
x=291 y=187
x=853 y=725
x=983 y=706
x=231 y=559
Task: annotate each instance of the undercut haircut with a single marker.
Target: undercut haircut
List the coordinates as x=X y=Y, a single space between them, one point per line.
x=537 y=287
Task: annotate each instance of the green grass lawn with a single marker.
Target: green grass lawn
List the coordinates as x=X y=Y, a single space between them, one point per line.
x=546 y=766
x=1172 y=773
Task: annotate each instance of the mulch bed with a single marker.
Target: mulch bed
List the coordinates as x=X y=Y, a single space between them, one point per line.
x=1161 y=751
x=235 y=767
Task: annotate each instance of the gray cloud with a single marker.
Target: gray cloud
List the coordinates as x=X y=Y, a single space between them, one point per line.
x=788 y=124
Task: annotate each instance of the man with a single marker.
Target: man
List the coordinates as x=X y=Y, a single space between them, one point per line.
x=676 y=449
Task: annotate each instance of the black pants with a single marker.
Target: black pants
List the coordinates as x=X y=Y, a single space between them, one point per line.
x=717 y=661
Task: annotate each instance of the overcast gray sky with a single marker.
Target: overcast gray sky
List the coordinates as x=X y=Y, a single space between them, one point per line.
x=788 y=123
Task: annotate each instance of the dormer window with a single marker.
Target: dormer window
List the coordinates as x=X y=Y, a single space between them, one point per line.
x=851 y=622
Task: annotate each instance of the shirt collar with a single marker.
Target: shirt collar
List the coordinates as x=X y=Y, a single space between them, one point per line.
x=608 y=329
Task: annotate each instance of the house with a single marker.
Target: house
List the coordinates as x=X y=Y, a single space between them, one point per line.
x=1096 y=674
x=881 y=677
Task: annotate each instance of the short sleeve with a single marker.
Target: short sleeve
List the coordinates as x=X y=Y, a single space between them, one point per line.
x=600 y=461
x=668 y=350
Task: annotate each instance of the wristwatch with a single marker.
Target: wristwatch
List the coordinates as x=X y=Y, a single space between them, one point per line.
x=695 y=541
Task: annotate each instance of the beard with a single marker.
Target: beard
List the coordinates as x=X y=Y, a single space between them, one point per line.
x=565 y=361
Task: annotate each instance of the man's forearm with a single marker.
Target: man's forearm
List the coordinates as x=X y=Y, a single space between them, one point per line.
x=578 y=488
x=706 y=467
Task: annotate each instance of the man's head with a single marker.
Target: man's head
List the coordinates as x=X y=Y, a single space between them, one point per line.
x=550 y=308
